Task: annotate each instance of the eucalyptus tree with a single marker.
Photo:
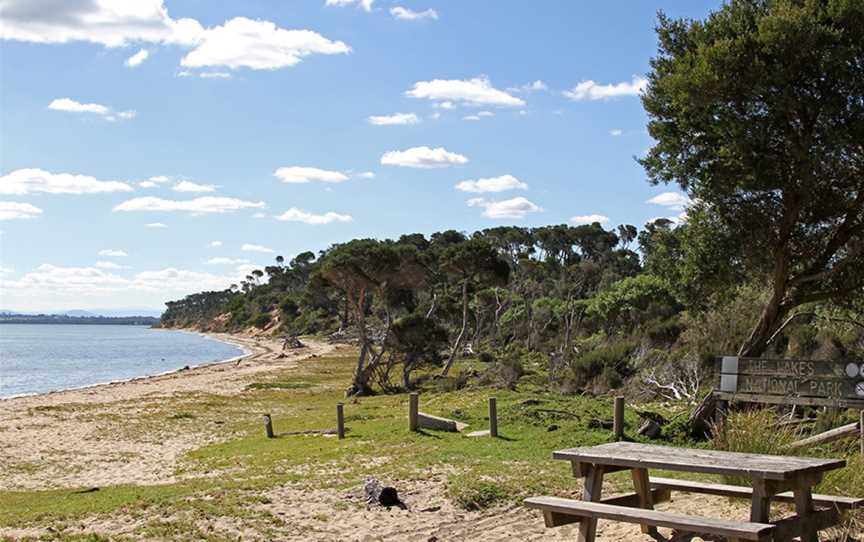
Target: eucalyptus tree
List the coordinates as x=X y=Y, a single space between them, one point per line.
x=369 y=271
x=473 y=263
x=758 y=114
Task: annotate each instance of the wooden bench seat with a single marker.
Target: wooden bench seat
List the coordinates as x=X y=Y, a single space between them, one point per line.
x=724 y=490
x=732 y=530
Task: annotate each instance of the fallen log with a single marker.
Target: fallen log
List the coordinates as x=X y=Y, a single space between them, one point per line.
x=844 y=431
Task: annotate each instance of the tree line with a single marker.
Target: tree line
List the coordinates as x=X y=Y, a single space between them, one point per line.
x=756 y=113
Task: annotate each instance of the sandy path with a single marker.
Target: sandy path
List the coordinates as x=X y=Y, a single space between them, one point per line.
x=79 y=438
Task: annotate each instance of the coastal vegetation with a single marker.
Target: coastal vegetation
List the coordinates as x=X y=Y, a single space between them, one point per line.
x=757 y=115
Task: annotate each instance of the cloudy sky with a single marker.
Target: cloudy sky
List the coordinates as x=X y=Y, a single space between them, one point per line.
x=153 y=148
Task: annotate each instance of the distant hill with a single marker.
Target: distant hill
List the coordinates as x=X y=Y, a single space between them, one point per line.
x=11 y=318
x=79 y=313
x=89 y=313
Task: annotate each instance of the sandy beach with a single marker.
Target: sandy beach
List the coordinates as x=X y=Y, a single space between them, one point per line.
x=78 y=439
x=75 y=438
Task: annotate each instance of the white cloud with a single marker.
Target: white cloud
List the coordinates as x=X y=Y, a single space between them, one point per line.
x=479 y=116
x=589 y=90
x=308 y=174
x=112 y=23
x=69 y=105
x=113 y=253
x=477 y=91
x=256 y=248
x=215 y=244
x=215 y=75
x=147 y=184
x=616 y=132
x=109 y=265
x=13 y=210
x=298 y=215
x=160 y=179
x=259 y=215
x=366 y=175
x=6 y=270
x=136 y=59
x=445 y=105
x=205 y=204
x=672 y=200
x=205 y=75
x=156 y=225
x=589 y=219
x=536 y=86
x=187 y=186
x=258 y=45
x=31 y=180
x=366 y=5
x=394 y=119
x=406 y=14
x=492 y=184
x=515 y=208
x=423 y=158
x=220 y=260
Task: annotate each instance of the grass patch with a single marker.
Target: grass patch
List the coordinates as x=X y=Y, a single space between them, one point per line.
x=232 y=478
x=278 y=386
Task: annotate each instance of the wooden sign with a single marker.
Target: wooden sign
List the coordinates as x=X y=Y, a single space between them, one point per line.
x=792 y=381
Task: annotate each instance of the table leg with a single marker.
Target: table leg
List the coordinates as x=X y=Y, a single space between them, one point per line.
x=804 y=509
x=760 y=507
x=642 y=485
x=591 y=492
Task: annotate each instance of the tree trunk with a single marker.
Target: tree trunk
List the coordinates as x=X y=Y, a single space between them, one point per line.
x=774 y=312
x=461 y=337
x=360 y=380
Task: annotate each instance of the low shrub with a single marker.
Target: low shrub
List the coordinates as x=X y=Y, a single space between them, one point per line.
x=477 y=495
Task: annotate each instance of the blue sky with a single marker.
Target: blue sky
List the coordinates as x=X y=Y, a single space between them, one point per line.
x=536 y=103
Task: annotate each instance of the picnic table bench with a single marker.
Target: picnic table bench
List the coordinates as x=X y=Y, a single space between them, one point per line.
x=773 y=478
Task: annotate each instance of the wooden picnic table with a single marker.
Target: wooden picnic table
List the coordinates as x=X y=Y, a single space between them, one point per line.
x=787 y=479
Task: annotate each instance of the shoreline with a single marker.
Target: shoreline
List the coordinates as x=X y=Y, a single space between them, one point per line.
x=223 y=338
x=109 y=428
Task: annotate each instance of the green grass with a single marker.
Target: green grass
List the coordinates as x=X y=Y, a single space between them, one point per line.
x=278 y=386
x=231 y=478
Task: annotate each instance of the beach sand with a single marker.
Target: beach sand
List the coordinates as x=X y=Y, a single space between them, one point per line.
x=75 y=439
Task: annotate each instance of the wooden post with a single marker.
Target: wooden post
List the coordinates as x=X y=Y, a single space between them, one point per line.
x=493 y=417
x=413 y=408
x=861 y=427
x=340 y=420
x=268 y=426
x=618 y=422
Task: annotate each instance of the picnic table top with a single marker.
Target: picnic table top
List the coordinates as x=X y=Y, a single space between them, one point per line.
x=754 y=466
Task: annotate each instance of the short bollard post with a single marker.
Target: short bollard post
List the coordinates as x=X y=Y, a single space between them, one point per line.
x=413 y=408
x=618 y=422
x=493 y=417
x=268 y=426
x=340 y=420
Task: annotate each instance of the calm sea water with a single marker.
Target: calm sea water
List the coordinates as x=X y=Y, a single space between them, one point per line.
x=37 y=358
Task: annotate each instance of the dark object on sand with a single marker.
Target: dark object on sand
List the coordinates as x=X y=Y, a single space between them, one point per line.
x=377 y=494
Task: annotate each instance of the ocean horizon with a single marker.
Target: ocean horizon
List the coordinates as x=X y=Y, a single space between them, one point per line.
x=43 y=358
